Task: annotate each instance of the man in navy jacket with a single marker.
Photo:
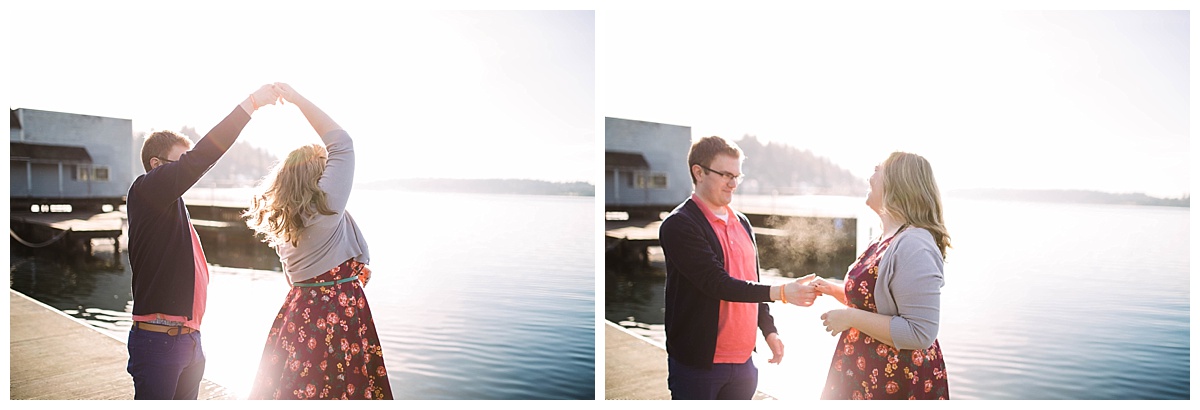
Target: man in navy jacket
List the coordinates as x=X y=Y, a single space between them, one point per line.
x=170 y=273
x=714 y=301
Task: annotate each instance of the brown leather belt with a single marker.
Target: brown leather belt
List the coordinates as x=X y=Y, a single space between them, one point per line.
x=169 y=330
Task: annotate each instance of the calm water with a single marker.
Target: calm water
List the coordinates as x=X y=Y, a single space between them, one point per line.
x=1042 y=301
x=474 y=296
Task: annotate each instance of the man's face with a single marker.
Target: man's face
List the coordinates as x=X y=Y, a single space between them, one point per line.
x=172 y=156
x=716 y=184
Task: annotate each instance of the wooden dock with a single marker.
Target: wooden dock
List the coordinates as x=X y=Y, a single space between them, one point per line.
x=635 y=368
x=629 y=241
x=66 y=230
x=55 y=357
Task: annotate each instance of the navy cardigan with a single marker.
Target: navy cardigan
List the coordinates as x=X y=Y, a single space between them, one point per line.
x=697 y=282
x=160 y=238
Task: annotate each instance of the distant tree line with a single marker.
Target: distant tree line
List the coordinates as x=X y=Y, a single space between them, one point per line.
x=1072 y=196
x=487 y=186
x=776 y=168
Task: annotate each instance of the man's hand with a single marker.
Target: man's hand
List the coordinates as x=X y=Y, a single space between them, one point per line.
x=265 y=95
x=776 y=345
x=801 y=292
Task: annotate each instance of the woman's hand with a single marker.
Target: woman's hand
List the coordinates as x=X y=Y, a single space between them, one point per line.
x=836 y=321
x=872 y=324
x=364 y=276
x=830 y=288
x=287 y=92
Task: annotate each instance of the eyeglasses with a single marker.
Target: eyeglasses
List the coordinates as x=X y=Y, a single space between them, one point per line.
x=164 y=160
x=728 y=177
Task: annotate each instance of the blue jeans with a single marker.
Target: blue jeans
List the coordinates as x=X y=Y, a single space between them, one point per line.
x=165 y=367
x=722 y=382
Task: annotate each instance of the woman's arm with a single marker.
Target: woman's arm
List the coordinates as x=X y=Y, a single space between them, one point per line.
x=320 y=121
x=338 y=177
x=916 y=289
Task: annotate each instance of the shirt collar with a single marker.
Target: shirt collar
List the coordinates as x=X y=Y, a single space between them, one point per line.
x=708 y=213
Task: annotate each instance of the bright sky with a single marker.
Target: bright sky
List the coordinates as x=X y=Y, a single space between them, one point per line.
x=1095 y=100
x=424 y=94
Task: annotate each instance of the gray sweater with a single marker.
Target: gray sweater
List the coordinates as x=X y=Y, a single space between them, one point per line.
x=909 y=288
x=328 y=240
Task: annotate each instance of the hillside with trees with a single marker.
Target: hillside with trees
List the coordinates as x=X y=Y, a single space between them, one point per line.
x=776 y=168
x=242 y=166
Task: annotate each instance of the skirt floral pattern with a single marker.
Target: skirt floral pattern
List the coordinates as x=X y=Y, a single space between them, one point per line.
x=323 y=344
x=864 y=368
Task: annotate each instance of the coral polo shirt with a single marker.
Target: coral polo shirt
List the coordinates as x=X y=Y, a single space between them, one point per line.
x=736 y=326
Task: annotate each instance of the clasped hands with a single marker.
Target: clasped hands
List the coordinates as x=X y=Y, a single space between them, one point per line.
x=270 y=94
x=804 y=291
x=800 y=292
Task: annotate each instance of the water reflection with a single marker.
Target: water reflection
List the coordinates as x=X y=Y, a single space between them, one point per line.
x=93 y=282
x=530 y=288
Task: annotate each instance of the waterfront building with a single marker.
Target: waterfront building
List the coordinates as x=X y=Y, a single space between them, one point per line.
x=68 y=161
x=645 y=166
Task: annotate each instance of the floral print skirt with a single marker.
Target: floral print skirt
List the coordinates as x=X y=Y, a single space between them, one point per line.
x=866 y=369
x=323 y=344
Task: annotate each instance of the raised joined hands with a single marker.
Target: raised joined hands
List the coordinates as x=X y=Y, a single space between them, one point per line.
x=266 y=95
x=287 y=92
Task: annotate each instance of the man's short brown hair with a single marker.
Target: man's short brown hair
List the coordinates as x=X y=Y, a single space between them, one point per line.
x=707 y=148
x=159 y=144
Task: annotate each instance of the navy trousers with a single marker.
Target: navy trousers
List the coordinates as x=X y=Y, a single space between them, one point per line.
x=165 y=367
x=722 y=382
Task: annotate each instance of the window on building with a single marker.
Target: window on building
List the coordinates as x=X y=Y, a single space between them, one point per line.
x=651 y=180
x=90 y=173
x=627 y=178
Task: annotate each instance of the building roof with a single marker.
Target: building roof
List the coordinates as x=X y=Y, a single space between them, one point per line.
x=48 y=152
x=14 y=123
x=626 y=160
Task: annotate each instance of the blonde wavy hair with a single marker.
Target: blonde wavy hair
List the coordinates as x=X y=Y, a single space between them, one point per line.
x=289 y=194
x=911 y=194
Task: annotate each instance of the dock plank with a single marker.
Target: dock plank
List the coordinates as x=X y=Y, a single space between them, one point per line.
x=53 y=356
x=635 y=368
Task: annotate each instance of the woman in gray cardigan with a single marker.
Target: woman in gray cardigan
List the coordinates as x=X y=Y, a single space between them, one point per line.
x=887 y=345
x=323 y=343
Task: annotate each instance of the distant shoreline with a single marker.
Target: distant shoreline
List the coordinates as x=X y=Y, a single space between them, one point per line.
x=487 y=186
x=1070 y=196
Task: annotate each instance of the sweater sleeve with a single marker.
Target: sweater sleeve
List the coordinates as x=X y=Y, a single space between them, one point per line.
x=916 y=291
x=683 y=244
x=164 y=185
x=338 y=177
